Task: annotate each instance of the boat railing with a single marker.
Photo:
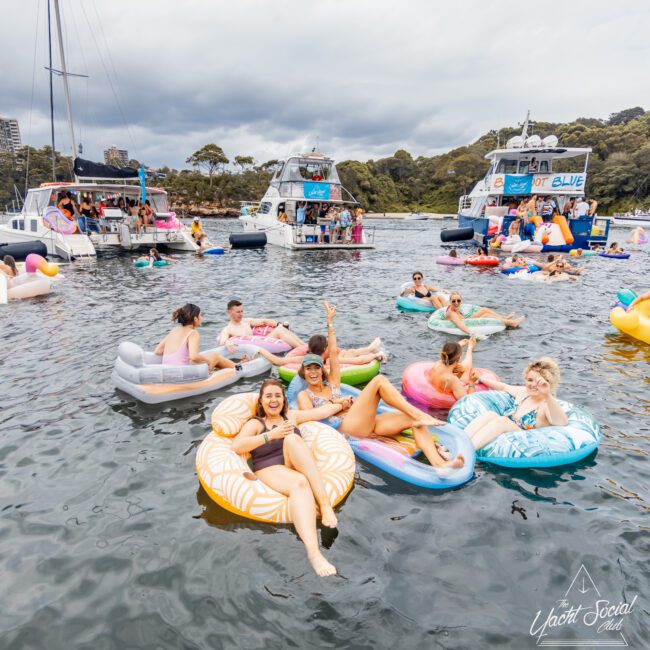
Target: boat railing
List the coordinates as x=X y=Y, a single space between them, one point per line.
x=325 y=191
x=310 y=234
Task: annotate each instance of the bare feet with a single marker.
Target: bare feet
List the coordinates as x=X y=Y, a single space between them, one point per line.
x=457 y=462
x=516 y=322
x=382 y=357
x=511 y=314
x=375 y=345
x=328 y=517
x=443 y=451
x=320 y=565
x=428 y=421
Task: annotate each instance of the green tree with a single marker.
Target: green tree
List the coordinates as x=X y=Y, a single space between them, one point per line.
x=244 y=161
x=209 y=157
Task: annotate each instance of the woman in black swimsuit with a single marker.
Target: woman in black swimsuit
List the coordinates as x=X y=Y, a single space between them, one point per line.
x=282 y=460
x=426 y=291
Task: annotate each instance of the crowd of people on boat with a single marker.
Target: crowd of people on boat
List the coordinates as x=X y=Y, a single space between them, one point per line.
x=341 y=224
x=90 y=216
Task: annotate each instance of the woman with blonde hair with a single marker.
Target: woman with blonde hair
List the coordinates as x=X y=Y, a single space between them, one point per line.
x=535 y=404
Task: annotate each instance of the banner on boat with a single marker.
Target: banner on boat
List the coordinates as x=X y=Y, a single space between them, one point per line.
x=318 y=191
x=514 y=184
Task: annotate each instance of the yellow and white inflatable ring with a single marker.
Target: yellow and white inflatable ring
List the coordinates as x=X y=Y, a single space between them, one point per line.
x=229 y=481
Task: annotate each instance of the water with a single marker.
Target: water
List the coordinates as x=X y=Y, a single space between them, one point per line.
x=107 y=540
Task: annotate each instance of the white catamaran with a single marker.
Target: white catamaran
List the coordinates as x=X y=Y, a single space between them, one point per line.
x=71 y=236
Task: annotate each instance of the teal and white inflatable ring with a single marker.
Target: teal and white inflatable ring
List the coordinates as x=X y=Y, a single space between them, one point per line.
x=478 y=326
x=544 y=447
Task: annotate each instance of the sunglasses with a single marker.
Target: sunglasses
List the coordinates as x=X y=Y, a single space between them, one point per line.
x=417 y=277
x=456 y=301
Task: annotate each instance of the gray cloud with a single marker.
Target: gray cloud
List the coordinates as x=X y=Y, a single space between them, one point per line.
x=363 y=78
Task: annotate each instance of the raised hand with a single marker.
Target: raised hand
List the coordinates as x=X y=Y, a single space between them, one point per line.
x=330 y=311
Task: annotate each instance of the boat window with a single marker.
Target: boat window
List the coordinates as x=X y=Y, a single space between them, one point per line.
x=33 y=224
x=310 y=170
x=278 y=171
x=265 y=207
x=507 y=166
x=544 y=166
x=523 y=166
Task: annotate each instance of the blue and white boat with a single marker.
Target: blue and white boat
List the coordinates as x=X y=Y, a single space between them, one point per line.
x=528 y=166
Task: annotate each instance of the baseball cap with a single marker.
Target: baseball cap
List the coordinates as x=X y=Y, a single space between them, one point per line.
x=312 y=359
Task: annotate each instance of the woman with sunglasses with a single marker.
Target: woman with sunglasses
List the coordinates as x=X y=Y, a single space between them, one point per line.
x=456 y=315
x=358 y=417
x=425 y=291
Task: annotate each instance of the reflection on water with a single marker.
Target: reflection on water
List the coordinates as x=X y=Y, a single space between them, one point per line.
x=108 y=541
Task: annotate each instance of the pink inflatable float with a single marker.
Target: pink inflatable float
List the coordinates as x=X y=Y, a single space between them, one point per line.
x=261 y=339
x=169 y=224
x=416 y=385
x=450 y=261
x=29 y=284
x=57 y=221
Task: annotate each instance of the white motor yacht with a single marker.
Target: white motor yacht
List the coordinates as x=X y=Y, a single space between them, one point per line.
x=299 y=181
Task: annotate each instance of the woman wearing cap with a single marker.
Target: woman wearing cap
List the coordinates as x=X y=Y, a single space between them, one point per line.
x=359 y=417
x=282 y=460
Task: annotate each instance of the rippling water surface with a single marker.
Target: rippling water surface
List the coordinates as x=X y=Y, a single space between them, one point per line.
x=107 y=540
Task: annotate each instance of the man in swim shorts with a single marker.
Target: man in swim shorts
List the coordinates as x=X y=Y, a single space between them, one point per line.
x=240 y=326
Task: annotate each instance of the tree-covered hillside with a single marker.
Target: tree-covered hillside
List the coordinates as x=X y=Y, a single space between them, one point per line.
x=619 y=172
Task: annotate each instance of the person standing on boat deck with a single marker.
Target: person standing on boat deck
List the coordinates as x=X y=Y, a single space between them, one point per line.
x=568 y=208
x=345 y=224
x=533 y=166
x=86 y=208
x=66 y=204
x=134 y=219
x=322 y=217
x=581 y=208
x=547 y=209
x=593 y=206
x=240 y=326
x=300 y=213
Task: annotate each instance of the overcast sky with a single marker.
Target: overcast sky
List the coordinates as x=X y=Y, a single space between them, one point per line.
x=360 y=78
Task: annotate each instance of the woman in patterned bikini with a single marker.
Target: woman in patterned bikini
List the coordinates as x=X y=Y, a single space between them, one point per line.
x=535 y=405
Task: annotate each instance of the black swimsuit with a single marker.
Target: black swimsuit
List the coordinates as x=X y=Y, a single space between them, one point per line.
x=417 y=294
x=270 y=453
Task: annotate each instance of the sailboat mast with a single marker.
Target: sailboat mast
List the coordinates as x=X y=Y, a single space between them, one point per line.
x=66 y=89
x=49 y=41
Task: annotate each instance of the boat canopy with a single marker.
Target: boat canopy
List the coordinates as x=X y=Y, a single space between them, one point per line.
x=88 y=169
x=555 y=152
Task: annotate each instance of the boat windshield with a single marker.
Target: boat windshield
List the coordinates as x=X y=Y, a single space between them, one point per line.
x=306 y=169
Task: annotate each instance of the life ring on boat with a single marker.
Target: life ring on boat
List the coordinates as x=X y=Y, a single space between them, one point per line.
x=397 y=456
x=351 y=374
x=543 y=447
x=477 y=326
x=142 y=374
x=416 y=385
x=58 y=222
x=229 y=481
x=482 y=260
